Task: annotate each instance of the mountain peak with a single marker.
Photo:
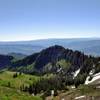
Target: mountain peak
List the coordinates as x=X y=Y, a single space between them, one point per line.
x=55 y=47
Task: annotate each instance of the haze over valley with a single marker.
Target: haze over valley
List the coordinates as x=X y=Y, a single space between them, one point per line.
x=90 y=46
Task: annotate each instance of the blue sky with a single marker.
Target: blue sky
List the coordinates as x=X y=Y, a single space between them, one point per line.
x=39 y=19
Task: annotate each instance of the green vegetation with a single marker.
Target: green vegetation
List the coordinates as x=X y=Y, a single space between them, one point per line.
x=13 y=85
x=64 y=64
x=23 y=79
x=97 y=68
x=10 y=83
x=14 y=94
x=25 y=69
x=51 y=69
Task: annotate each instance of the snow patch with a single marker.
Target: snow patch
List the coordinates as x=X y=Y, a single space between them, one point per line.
x=80 y=97
x=76 y=73
x=59 y=69
x=95 y=77
x=91 y=72
x=73 y=87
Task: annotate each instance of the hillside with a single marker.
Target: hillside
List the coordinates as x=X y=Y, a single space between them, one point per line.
x=10 y=86
x=12 y=94
x=7 y=77
x=54 y=59
x=5 y=61
x=53 y=68
x=17 y=56
x=39 y=62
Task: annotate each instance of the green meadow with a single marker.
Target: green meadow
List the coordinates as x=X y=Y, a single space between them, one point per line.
x=10 y=86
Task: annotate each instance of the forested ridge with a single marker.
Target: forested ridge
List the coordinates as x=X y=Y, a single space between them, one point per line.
x=56 y=60
x=48 y=59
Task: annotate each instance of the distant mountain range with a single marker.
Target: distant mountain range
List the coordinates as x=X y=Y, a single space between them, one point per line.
x=86 y=45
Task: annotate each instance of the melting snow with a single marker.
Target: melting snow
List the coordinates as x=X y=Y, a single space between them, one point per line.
x=80 y=97
x=91 y=72
x=59 y=70
x=76 y=73
x=95 y=77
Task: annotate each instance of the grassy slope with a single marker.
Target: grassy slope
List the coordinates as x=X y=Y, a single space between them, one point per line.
x=6 y=77
x=13 y=92
x=63 y=63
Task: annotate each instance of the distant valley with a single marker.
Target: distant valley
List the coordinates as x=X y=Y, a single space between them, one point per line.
x=86 y=45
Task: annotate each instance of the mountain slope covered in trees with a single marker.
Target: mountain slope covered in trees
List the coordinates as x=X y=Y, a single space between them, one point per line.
x=49 y=57
x=64 y=67
x=56 y=59
x=17 y=55
x=5 y=61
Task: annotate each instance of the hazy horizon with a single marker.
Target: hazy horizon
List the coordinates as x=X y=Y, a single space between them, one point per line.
x=76 y=38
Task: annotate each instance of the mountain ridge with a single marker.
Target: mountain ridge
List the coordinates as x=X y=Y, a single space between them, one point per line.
x=59 y=61
x=51 y=55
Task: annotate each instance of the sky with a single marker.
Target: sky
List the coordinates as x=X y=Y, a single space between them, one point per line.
x=42 y=19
